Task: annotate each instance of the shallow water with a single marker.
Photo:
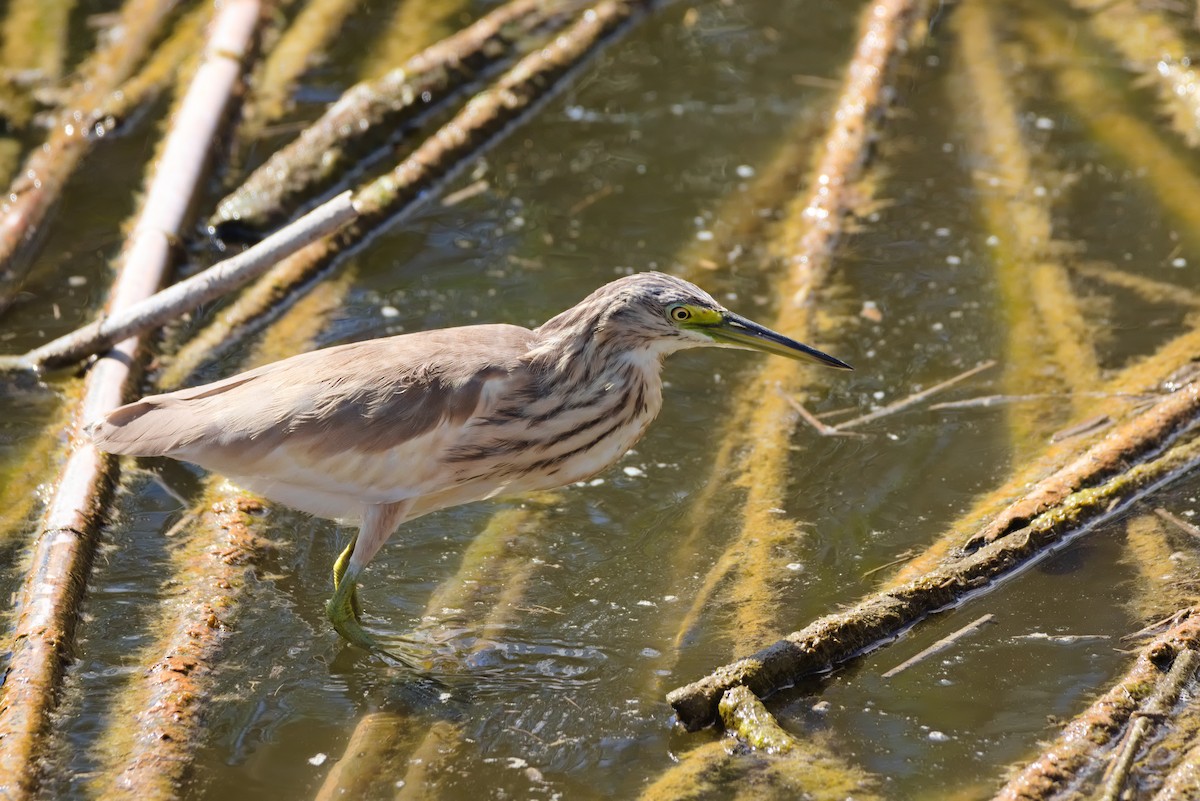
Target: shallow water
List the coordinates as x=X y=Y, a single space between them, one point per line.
x=626 y=170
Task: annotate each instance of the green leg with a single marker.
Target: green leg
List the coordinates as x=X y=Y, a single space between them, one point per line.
x=339 y=570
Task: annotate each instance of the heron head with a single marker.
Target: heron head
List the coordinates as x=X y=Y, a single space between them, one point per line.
x=675 y=314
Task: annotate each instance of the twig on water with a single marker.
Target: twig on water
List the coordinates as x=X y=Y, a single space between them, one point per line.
x=940 y=645
x=915 y=398
x=821 y=428
x=1179 y=523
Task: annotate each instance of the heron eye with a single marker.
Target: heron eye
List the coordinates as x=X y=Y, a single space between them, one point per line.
x=680 y=313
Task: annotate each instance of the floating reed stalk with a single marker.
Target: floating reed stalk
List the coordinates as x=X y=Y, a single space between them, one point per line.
x=1147 y=692
x=1170 y=179
x=370 y=113
x=48 y=606
x=1085 y=491
x=1042 y=318
x=46 y=170
x=154 y=727
x=484 y=120
x=35 y=47
x=750 y=451
x=1151 y=47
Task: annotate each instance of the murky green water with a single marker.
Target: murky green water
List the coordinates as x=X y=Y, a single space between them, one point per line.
x=625 y=171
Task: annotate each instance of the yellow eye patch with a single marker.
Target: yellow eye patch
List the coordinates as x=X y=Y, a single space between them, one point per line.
x=685 y=313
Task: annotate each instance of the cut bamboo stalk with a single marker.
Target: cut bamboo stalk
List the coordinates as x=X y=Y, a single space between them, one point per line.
x=1082 y=493
x=48 y=605
x=805 y=247
x=46 y=170
x=371 y=112
x=1150 y=46
x=485 y=119
x=1147 y=691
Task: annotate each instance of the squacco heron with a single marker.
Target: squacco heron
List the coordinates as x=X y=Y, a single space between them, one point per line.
x=386 y=430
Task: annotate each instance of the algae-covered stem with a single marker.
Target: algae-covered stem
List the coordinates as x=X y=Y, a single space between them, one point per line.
x=158 y=722
x=770 y=763
x=48 y=605
x=45 y=172
x=1088 y=490
x=1111 y=118
x=1150 y=687
x=1150 y=45
x=370 y=112
x=484 y=120
x=814 y=223
x=34 y=43
x=1043 y=320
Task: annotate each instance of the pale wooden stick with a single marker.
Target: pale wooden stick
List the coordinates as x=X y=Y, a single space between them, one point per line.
x=193 y=292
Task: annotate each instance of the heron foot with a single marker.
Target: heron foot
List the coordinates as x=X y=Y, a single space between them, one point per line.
x=344 y=613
